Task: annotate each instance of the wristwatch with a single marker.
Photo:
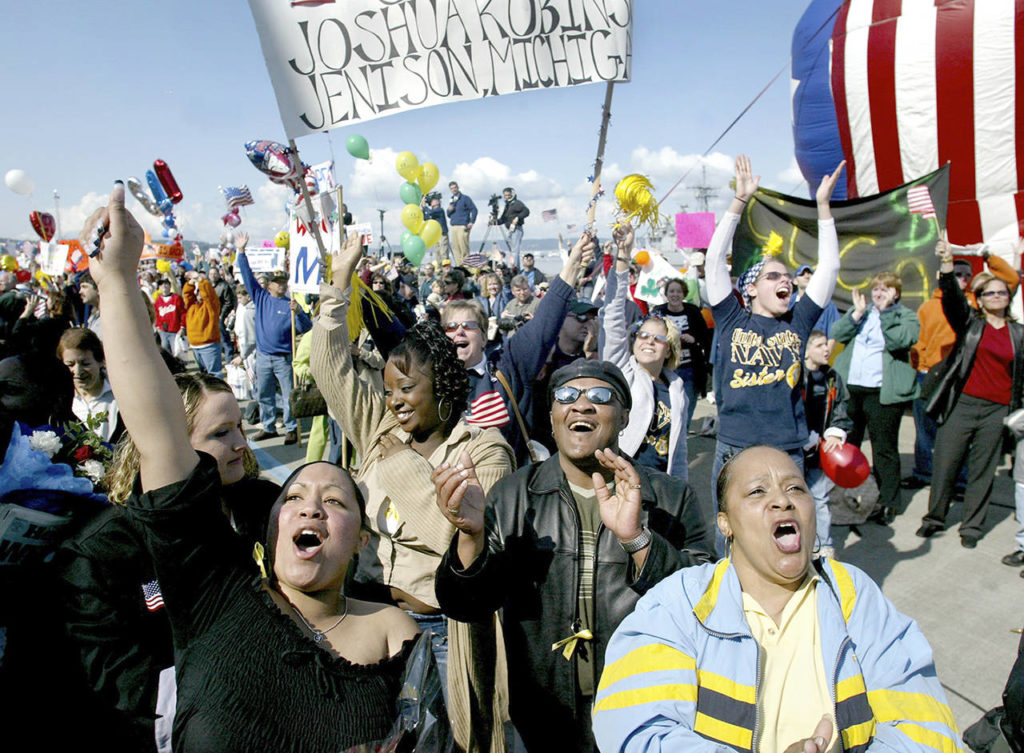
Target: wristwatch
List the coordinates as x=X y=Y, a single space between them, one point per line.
x=640 y=542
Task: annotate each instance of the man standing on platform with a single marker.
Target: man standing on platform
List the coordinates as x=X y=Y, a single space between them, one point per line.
x=461 y=216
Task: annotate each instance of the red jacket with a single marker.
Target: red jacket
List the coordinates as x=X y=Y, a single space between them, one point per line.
x=170 y=312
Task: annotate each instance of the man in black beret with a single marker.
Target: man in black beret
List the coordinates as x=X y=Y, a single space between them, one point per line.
x=566 y=547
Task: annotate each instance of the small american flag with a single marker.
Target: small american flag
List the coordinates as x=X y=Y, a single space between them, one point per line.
x=151 y=593
x=920 y=200
x=475 y=261
x=238 y=196
x=549 y=215
x=488 y=410
x=571 y=228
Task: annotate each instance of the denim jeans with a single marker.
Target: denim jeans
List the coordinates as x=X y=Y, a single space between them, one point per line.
x=437 y=626
x=167 y=340
x=686 y=374
x=271 y=372
x=724 y=451
x=924 y=437
x=208 y=359
x=820 y=485
x=515 y=241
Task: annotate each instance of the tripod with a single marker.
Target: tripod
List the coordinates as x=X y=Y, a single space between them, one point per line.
x=383 y=238
x=492 y=224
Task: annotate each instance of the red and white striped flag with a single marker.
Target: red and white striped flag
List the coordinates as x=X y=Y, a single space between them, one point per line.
x=920 y=200
x=549 y=215
x=488 y=410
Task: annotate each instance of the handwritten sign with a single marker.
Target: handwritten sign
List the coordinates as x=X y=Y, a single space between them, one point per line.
x=265 y=259
x=336 y=62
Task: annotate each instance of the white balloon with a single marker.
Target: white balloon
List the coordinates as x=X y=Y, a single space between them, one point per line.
x=19 y=182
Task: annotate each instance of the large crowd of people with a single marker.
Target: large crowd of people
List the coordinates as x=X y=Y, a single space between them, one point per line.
x=494 y=542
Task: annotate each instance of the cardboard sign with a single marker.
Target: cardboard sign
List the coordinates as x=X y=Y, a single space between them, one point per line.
x=265 y=259
x=52 y=257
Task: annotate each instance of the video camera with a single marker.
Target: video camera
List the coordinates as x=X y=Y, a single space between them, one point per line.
x=493 y=204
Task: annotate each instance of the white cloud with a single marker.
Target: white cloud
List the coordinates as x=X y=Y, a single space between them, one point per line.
x=791 y=180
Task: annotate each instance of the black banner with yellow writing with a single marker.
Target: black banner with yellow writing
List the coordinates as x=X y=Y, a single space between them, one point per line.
x=876 y=233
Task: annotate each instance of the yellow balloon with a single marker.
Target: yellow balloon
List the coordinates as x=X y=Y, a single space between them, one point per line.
x=428 y=177
x=163 y=266
x=408 y=166
x=281 y=240
x=430 y=232
x=412 y=218
x=8 y=263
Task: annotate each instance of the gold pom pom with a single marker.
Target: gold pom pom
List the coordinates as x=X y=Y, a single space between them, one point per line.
x=636 y=200
x=774 y=245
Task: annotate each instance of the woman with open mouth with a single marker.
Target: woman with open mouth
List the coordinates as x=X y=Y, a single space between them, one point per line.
x=402 y=436
x=647 y=353
x=285 y=662
x=768 y=649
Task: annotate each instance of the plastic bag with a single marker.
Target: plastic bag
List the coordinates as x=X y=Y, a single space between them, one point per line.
x=422 y=724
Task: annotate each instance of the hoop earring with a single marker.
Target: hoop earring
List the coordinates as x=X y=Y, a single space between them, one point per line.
x=444 y=419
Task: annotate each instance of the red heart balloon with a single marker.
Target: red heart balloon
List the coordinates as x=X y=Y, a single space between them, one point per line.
x=845 y=465
x=44 y=224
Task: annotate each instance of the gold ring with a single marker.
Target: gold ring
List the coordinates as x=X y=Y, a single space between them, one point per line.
x=634 y=486
x=453 y=510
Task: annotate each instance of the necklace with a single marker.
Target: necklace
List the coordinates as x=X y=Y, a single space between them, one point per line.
x=318 y=635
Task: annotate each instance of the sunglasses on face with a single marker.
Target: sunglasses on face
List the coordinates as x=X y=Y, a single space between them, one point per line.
x=597 y=395
x=468 y=326
x=774 y=277
x=645 y=335
x=994 y=293
x=583 y=318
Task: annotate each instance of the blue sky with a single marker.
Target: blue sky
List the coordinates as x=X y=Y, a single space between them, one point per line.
x=97 y=91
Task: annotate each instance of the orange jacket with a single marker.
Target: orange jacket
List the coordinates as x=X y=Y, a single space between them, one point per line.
x=202 y=313
x=937 y=337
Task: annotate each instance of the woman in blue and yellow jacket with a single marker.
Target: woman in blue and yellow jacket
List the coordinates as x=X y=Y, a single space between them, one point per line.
x=765 y=651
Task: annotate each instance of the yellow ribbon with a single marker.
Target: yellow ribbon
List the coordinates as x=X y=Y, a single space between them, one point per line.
x=257 y=554
x=570 y=643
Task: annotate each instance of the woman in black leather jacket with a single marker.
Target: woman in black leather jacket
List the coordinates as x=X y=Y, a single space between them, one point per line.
x=979 y=386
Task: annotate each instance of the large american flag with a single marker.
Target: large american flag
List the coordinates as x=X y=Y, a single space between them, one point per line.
x=919 y=83
x=151 y=593
x=239 y=196
x=488 y=410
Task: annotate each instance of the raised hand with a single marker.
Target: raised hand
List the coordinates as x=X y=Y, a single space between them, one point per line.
x=620 y=512
x=860 y=304
x=825 y=189
x=113 y=239
x=580 y=255
x=746 y=181
x=241 y=240
x=344 y=262
x=944 y=250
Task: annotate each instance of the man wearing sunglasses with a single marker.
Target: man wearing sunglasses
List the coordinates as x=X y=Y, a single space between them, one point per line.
x=566 y=547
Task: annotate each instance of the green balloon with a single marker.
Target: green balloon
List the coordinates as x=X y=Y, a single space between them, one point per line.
x=357 y=146
x=414 y=248
x=410 y=193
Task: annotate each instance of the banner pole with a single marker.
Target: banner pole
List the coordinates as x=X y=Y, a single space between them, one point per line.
x=606 y=114
x=309 y=207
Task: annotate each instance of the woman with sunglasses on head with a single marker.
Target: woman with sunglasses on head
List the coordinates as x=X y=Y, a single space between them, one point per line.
x=759 y=354
x=287 y=662
x=876 y=368
x=402 y=436
x=980 y=385
x=647 y=353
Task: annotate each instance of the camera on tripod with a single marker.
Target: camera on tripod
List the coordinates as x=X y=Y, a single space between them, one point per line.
x=493 y=204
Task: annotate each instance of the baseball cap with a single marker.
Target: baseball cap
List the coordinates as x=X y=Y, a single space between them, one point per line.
x=582 y=306
x=606 y=371
x=803 y=268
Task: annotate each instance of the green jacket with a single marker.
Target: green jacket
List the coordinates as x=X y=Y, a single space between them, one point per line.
x=900 y=328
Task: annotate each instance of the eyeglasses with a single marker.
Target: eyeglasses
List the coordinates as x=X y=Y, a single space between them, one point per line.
x=597 y=395
x=469 y=326
x=994 y=293
x=645 y=335
x=773 y=276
